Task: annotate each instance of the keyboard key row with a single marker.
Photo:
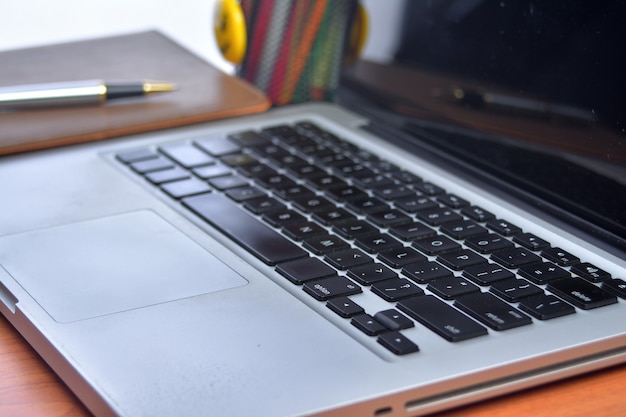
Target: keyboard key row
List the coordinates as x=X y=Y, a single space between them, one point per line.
x=275 y=193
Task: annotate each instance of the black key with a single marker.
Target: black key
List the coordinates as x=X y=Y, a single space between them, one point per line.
x=423 y=272
x=186 y=154
x=368 y=324
x=245 y=193
x=492 y=311
x=263 y=205
x=239 y=160
x=581 y=293
x=276 y=182
x=546 y=307
x=367 y=205
x=412 y=231
x=320 y=245
x=346 y=193
x=400 y=256
x=503 y=227
x=370 y=273
x=283 y=217
x=486 y=274
x=428 y=188
x=327 y=288
x=303 y=270
x=406 y=177
x=315 y=150
x=396 y=289
x=256 y=170
x=272 y=151
x=452 y=200
x=248 y=138
x=332 y=215
x=347 y=258
x=344 y=306
x=590 y=272
x=441 y=318
x=293 y=192
x=462 y=229
x=384 y=166
x=336 y=161
x=167 y=175
x=394 y=320
x=461 y=259
x=184 y=188
x=377 y=243
x=312 y=202
x=514 y=257
x=154 y=164
x=616 y=286
x=326 y=181
x=217 y=145
x=393 y=192
x=477 y=213
x=303 y=230
x=513 y=290
x=435 y=245
x=388 y=218
x=488 y=243
x=451 y=287
x=227 y=182
x=284 y=132
x=397 y=343
x=354 y=228
x=530 y=241
x=542 y=273
x=413 y=204
x=372 y=181
x=307 y=171
x=290 y=161
x=560 y=257
x=256 y=237
x=438 y=215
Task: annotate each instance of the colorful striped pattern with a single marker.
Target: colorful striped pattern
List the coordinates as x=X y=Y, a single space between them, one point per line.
x=296 y=47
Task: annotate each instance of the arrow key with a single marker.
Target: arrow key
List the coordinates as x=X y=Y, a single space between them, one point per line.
x=345 y=307
x=397 y=343
x=393 y=319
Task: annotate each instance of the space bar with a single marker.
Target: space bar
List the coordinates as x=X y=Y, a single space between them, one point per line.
x=258 y=238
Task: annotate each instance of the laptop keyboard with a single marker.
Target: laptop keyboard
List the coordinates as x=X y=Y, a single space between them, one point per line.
x=338 y=221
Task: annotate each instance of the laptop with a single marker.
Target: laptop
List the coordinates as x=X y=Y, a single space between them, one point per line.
x=401 y=252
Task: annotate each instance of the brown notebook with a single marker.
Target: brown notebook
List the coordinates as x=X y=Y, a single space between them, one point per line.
x=203 y=92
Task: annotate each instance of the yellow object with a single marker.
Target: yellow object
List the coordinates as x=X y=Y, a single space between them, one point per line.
x=358 y=35
x=230 y=31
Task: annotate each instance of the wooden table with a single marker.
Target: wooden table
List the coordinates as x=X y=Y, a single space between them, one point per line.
x=28 y=387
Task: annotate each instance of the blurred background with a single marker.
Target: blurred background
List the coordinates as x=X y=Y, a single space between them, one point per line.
x=28 y=23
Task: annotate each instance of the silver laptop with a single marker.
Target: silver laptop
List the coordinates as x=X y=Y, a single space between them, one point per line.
x=336 y=260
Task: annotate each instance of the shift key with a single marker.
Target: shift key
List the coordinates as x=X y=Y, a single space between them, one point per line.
x=441 y=318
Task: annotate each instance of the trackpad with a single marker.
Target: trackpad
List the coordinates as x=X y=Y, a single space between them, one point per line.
x=103 y=266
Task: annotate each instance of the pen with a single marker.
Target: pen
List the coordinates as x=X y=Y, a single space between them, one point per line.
x=75 y=93
x=496 y=101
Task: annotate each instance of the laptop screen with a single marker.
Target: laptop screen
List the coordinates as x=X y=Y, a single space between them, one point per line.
x=530 y=92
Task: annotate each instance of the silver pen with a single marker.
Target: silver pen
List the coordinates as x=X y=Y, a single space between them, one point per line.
x=90 y=92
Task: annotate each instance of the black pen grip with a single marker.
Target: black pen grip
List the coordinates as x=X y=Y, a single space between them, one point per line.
x=124 y=90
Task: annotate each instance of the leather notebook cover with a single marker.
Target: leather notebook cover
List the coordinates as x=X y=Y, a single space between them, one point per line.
x=203 y=92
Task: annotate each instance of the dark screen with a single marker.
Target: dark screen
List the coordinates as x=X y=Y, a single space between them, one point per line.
x=568 y=51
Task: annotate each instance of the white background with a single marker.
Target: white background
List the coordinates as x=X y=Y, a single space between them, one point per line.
x=25 y=23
